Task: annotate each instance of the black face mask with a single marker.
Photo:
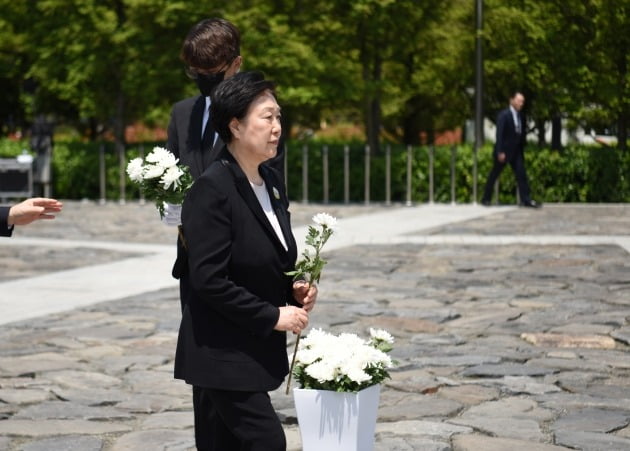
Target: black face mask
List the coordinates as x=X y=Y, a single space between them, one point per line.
x=207 y=82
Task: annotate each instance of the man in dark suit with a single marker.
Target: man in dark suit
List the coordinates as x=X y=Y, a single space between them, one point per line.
x=240 y=302
x=211 y=53
x=26 y=212
x=508 y=148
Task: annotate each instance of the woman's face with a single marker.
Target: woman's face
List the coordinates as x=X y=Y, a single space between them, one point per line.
x=258 y=133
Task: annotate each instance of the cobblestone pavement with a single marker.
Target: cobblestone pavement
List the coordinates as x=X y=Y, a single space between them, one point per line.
x=512 y=330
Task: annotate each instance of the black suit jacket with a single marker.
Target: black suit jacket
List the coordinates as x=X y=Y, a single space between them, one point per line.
x=507 y=140
x=184 y=136
x=4 y=226
x=236 y=271
x=186 y=143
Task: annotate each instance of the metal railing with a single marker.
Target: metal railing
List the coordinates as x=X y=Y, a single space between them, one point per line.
x=368 y=173
x=419 y=186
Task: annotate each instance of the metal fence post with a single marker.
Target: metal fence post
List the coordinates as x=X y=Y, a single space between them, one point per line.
x=346 y=174
x=122 y=175
x=409 y=159
x=431 y=159
x=305 y=174
x=453 y=150
x=325 y=170
x=367 y=175
x=141 y=155
x=101 y=172
x=388 y=175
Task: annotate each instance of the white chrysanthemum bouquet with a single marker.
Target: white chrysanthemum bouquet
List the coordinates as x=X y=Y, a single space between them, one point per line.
x=343 y=363
x=160 y=177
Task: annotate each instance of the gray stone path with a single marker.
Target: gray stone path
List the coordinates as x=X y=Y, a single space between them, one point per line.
x=512 y=327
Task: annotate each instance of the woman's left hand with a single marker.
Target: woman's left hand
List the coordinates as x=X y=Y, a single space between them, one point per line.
x=305 y=294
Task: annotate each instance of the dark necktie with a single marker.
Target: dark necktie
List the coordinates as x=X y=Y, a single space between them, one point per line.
x=206 y=143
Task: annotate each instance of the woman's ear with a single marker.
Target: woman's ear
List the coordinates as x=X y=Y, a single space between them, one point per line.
x=235 y=128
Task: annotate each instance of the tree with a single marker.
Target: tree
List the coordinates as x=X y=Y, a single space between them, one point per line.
x=112 y=62
x=610 y=74
x=14 y=61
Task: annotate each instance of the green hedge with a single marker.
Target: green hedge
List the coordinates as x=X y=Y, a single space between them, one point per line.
x=577 y=174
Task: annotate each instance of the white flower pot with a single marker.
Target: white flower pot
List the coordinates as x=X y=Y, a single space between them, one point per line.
x=333 y=421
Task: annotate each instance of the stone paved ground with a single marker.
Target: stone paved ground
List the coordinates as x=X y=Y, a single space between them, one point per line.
x=512 y=333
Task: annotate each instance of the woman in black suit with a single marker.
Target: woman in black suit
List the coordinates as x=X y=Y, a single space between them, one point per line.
x=236 y=223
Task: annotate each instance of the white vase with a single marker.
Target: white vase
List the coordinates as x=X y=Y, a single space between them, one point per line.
x=333 y=421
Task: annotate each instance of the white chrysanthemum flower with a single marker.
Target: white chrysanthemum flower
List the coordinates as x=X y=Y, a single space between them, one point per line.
x=321 y=371
x=357 y=374
x=307 y=356
x=324 y=219
x=171 y=177
x=351 y=341
x=135 y=170
x=168 y=161
x=338 y=359
x=381 y=335
x=158 y=154
x=162 y=157
x=153 y=171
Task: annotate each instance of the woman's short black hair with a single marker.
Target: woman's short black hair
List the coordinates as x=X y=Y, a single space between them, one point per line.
x=232 y=98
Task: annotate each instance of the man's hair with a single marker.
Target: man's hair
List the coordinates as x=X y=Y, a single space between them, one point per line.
x=211 y=44
x=233 y=97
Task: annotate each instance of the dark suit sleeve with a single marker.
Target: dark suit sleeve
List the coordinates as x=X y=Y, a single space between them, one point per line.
x=4 y=217
x=501 y=130
x=206 y=220
x=171 y=132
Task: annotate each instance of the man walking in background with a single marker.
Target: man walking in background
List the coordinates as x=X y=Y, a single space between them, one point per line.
x=508 y=148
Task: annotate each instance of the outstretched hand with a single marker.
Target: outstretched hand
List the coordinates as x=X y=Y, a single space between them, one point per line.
x=33 y=209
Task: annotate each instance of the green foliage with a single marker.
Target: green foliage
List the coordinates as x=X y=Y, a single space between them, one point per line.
x=577 y=174
x=11 y=148
x=76 y=170
x=310 y=266
x=398 y=68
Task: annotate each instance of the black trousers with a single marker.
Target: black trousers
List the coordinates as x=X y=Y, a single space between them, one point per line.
x=236 y=421
x=518 y=165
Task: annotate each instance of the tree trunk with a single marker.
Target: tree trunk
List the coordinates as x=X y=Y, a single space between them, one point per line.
x=540 y=129
x=556 y=132
x=374 y=108
x=622 y=131
x=411 y=124
x=119 y=142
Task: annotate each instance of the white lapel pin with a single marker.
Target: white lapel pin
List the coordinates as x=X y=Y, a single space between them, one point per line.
x=276 y=193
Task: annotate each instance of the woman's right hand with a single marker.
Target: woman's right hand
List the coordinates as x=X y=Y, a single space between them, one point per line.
x=294 y=319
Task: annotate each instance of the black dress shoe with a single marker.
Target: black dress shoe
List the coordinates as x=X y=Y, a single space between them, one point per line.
x=531 y=204
x=485 y=203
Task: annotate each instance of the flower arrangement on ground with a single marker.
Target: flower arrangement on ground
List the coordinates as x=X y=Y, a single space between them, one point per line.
x=160 y=177
x=344 y=362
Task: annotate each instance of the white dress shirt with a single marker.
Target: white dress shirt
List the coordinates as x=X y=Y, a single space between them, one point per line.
x=265 y=202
